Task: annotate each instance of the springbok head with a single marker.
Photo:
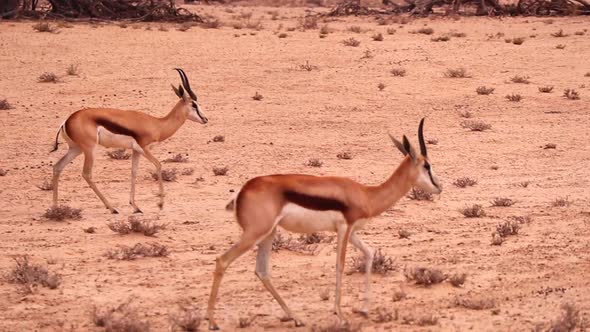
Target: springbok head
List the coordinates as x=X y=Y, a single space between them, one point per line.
x=184 y=92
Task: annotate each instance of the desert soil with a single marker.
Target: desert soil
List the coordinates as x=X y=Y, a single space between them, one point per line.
x=334 y=107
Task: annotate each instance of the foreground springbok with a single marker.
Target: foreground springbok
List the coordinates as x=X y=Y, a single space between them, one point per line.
x=112 y=128
x=307 y=204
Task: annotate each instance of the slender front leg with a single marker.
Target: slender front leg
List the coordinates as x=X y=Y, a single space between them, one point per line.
x=134 y=166
x=343 y=237
x=72 y=153
x=158 y=165
x=369 y=255
x=87 y=175
x=263 y=273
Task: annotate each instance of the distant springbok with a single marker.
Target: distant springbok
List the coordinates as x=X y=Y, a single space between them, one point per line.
x=112 y=128
x=307 y=204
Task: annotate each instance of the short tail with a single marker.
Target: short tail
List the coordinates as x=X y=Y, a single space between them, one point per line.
x=56 y=144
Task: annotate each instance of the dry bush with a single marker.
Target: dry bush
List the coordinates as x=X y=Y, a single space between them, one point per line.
x=383 y=315
x=308 y=23
x=518 y=40
x=367 y=54
x=30 y=275
x=403 y=233
x=177 y=158
x=301 y=245
x=515 y=97
x=420 y=195
x=119 y=154
x=399 y=294
x=4 y=104
x=440 y=39
x=466 y=114
x=325 y=29
x=579 y=33
x=135 y=224
x=257 y=96
x=474 y=211
x=355 y=29
x=507 y=228
x=283 y=35
x=3 y=172
x=351 y=42
x=432 y=141
x=307 y=66
x=484 y=90
x=502 y=201
x=458 y=279
x=398 y=72
x=424 y=31
x=522 y=219
x=474 y=301
x=559 y=34
x=187 y=171
x=344 y=155
x=90 y=230
x=220 y=171
x=520 y=79
x=219 y=138
x=458 y=34
x=424 y=276
x=382 y=264
x=46 y=185
x=560 y=46
x=457 y=73
x=377 y=37
x=338 y=327
x=62 y=212
x=391 y=31
x=475 y=125
x=48 y=78
x=123 y=318
x=314 y=162
x=185 y=319
x=185 y=26
x=561 y=202
x=381 y=86
x=549 y=146
x=314 y=238
x=254 y=25
x=138 y=250
x=465 y=182
x=497 y=239
x=168 y=175
x=587 y=74
x=325 y=294
x=568 y=320
x=45 y=27
x=212 y=23
x=546 y=89
x=73 y=70
x=162 y=28
x=422 y=319
x=571 y=94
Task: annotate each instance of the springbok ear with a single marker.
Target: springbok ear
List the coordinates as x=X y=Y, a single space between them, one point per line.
x=410 y=149
x=398 y=145
x=178 y=91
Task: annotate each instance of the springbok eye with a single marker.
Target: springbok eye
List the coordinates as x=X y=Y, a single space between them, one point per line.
x=427 y=166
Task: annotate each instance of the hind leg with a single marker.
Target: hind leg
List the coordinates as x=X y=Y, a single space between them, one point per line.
x=87 y=175
x=72 y=153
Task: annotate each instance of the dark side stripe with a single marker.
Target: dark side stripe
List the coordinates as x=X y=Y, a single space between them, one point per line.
x=314 y=202
x=115 y=128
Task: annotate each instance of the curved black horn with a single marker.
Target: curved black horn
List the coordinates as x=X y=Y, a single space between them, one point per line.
x=421 y=138
x=185 y=83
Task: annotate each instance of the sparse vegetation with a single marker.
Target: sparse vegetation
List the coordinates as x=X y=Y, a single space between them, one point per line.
x=355 y=29
x=4 y=104
x=424 y=276
x=559 y=34
x=546 y=89
x=48 y=78
x=474 y=301
x=377 y=37
x=507 y=228
x=337 y=327
x=518 y=40
x=443 y=38
x=391 y=31
x=119 y=154
x=90 y=230
x=403 y=233
x=502 y=201
x=475 y=125
x=62 y=212
x=549 y=146
x=420 y=195
x=3 y=172
x=520 y=79
x=399 y=295
x=29 y=275
x=308 y=22
x=515 y=97
x=424 y=31
x=314 y=162
x=382 y=264
x=458 y=34
x=283 y=35
x=351 y=42
x=257 y=96
x=432 y=141
x=212 y=23
x=73 y=70
x=307 y=66
x=458 y=279
x=325 y=29
x=383 y=315
x=135 y=224
x=484 y=90
x=560 y=46
x=324 y=294
x=123 y=318
x=380 y=86
x=466 y=114
x=220 y=171
x=138 y=250
x=185 y=26
x=45 y=27
x=457 y=73
x=568 y=320
x=398 y=72
x=177 y=158
x=464 y=182
x=219 y=138
x=345 y=155
x=306 y=244
x=46 y=185
x=185 y=319
x=473 y=211
x=561 y=202
x=571 y=94
x=421 y=319
x=168 y=175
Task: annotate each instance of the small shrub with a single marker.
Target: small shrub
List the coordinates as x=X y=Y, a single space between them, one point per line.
x=344 y=155
x=458 y=279
x=212 y=23
x=560 y=46
x=304 y=244
x=46 y=186
x=325 y=294
x=254 y=25
x=465 y=182
x=185 y=319
x=48 y=78
x=546 y=89
x=549 y=146
x=440 y=39
x=587 y=74
x=219 y=138
x=507 y=228
x=403 y=233
x=432 y=141
x=90 y=230
x=520 y=79
x=420 y=195
x=474 y=211
x=579 y=33
x=390 y=31
x=3 y=172
x=383 y=315
x=45 y=27
x=29 y=275
x=515 y=97
x=185 y=26
x=325 y=29
x=367 y=54
x=351 y=42
x=483 y=90
x=377 y=37
x=119 y=154
x=424 y=31
x=308 y=22
x=355 y=29
x=561 y=202
x=168 y=175
x=399 y=295
x=257 y=96
x=337 y=327
x=123 y=318
x=138 y=250
x=162 y=28
x=474 y=302
x=62 y=212
x=457 y=73
x=518 y=41
x=220 y=171
x=307 y=66
x=475 y=125
x=382 y=264
x=571 y=94
x=380 y=86
x=424 y=276
x=73 y=70
x=559 y=34
x=523 y=219
x=398 y=72
x=314 y=162
x=4 y=104
x=187 y=171
x=458 y=34
x=466 y=114
x=497 y=239
x=177 y=158
x=568 y=320
x=283 y=35
x=136 y=225
x=502 y=201
x=508 y=40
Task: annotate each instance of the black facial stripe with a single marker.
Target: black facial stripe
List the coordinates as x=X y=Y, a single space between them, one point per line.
x=430 y=175
x=198 y=112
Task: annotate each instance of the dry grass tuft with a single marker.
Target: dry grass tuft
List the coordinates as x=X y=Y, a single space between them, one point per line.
x=219 y=138
x=420 y=195
x=502 y=201
x=123 y=318
x=571 y=94
x=308 y=23
x=45 y=27
x=62 y=212
x=398 y=72
x=185 y=26
x=185 y=319
x=399 y=294
x=325 y=29
x=549 y=146
x=458 y=34
x=306 y=244
x=283 y=35
x=46 y=185
x=3 y=172
x=355 y=29
x=138 y=250
x=337 y=327
x=423 y=31
x=561 y=202
x=383 y=315
x=515 y=97
x=345 y=155
x=257 y=96
x=48 y=78
x=518 y=40
x=457 y=73
x=568 y=320
x=458 y=279
x=432 y=141
x=177 y=158
x=560 y=46
x=465 y=182
x=351 y=42
x=4 y=104
x=391 y=31
x=73 y=70
x=381 y=86
x=325 y=294
x=520 y=79
x=314 y=162
x=119 y=154
x=135 y=224
x=403 y=233
x=440 y=39
x=377 y=37
x=526 y=219
x=474 y=301
x=559 y=34
x=474 y=211
x=212 y=23
x=90 y=230
x=466 y=114
x=484 y=90
x=307 y=66
x=382 y=264
x=507 y=228
x=30 y=275
x=546 y=89
x=422 y=319
x=475 y=125
x=424 y=276
x=168 y=175
x=220 y=171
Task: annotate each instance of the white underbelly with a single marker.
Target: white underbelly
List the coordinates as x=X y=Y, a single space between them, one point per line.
x=112 y=140
x=297 y=219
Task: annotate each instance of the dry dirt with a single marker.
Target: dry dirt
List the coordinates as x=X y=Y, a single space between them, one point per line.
x=335 y=107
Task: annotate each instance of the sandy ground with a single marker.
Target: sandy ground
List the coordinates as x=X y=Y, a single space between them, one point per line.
x=335 y=107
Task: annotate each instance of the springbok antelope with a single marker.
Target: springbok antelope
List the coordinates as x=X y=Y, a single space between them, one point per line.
x=112 y=128
x=305 y=204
